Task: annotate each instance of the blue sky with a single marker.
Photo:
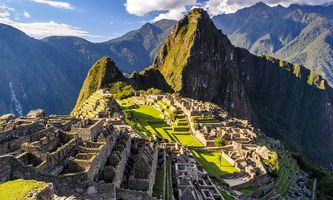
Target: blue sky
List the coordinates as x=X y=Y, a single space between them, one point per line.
x=101 y=20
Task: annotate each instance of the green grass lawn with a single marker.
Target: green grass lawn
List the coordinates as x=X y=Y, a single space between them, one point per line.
x=185 y=139
x=213 y=163
x=144 y=113
x=142 y=116
x=248 y=190
x=159 y=183
x=150 y=122
x=19 y=189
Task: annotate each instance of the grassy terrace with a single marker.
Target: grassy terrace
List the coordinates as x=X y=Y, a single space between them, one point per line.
x=146 y=117
x=214 y=164
x=248 y=190
x=149 y=122
x=19 y=189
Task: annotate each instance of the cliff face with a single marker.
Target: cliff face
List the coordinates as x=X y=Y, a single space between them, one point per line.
x=286 y=101
x=103 y=73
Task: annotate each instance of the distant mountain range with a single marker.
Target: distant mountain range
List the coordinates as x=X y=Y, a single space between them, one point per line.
x=48 y=73
x=300 y=34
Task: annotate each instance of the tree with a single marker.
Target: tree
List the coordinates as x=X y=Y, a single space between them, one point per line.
x=219 y=142
x=297 y=70
x=273 y=163
x=172 y=116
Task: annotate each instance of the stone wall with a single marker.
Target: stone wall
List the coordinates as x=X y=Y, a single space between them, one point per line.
x=52 y=159
x=122 y=164
x=5 y=171
x=132 y=195
x=99 y=161
x=91 y=131
x=153 y=171
x=63 y=185
x=45 y=194
x=12 y=139
x=230 y=160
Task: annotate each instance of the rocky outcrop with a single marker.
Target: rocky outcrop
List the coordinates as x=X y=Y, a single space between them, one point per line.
x=286 y=101
x=149 y=78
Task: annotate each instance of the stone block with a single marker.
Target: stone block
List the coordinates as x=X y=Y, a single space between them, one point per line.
x=4 y=148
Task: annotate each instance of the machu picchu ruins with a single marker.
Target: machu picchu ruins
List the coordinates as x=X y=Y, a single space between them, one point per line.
x=205 y=100
x=190 y=150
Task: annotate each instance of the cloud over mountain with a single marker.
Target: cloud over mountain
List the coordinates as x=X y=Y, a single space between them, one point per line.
x=170 y=9
x=175 y=9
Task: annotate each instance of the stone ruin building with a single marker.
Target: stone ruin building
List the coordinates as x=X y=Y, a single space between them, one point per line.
x=190 y=180
x=83 y=158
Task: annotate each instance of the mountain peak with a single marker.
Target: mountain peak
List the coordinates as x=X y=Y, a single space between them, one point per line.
x=100 y=76
x=193 y=35
x=261 y=4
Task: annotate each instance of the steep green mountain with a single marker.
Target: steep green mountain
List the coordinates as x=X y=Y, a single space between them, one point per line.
x=300 y=34
x=103 y=73
x=49 y=73
x=286 y=101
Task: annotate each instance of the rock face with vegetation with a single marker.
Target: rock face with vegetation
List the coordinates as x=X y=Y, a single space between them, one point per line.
x=286 y=101
x=149 y=78
x=298 y=34
x=103 y=73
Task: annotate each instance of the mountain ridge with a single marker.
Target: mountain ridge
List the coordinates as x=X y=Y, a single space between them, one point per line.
x=301 y=34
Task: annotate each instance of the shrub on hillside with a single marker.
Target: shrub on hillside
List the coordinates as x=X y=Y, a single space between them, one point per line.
x=121 y=90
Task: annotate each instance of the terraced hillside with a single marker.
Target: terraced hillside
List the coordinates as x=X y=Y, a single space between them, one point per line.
x=99 y=103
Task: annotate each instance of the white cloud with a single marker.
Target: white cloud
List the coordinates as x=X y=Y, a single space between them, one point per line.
x=171 y=9
x=57 y=4
x=171 y=14
x=45 y=29
x=5 y=11
x=42 y=29
x=26 y=14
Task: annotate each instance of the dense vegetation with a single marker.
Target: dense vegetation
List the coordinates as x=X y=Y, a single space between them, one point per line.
x=273 y=163
x=121 y=90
